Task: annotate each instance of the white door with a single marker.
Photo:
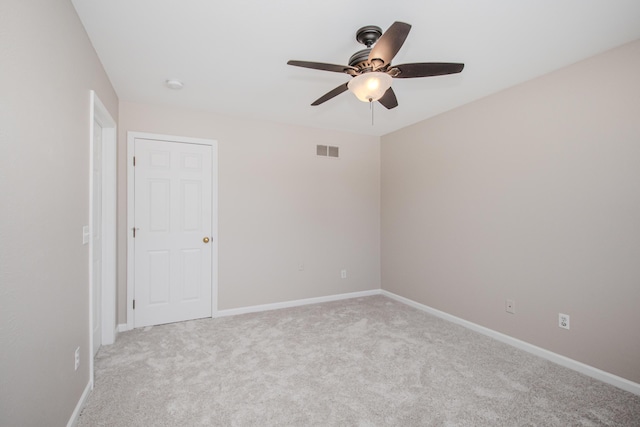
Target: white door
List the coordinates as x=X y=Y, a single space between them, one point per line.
x=173 y=228
x=96 y=237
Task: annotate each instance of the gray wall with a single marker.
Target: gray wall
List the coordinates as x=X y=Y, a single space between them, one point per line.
x=531 y=194
x=47 y=68
x=279 y=204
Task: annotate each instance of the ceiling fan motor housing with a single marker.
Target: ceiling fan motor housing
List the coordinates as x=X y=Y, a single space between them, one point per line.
x=360 y=59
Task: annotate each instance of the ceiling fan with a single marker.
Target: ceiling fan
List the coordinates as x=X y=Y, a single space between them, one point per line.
x=371 y=68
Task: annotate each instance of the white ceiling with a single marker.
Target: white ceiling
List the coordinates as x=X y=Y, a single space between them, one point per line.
x=232 y=55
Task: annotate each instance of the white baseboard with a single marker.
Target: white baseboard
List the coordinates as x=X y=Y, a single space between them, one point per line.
x=123 y=327
x=294 y=303
x=590 y=371
x=73 y=421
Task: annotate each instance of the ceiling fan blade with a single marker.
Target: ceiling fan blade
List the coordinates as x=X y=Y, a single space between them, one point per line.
x=389 y=99
x=327 y=96
x=389 y=44
x=426 y=69
x=324 y=67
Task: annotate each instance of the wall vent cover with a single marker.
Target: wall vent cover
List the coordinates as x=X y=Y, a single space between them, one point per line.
x=321 y=150
x=327 y=151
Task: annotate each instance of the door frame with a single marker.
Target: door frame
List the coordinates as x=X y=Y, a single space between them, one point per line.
x=131 y=138
x=99 y=113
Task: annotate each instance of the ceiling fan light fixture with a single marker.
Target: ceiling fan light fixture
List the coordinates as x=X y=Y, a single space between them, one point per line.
x=370 y=87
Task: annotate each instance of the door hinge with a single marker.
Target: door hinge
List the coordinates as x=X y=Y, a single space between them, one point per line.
x=134 y=232
x=134 y=161
x=134 y=304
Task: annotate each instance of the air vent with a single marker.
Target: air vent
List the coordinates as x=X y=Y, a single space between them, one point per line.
x=327 y=151
x=321 y=150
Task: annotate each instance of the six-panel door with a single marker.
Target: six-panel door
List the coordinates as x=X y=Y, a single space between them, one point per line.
x=173 y=221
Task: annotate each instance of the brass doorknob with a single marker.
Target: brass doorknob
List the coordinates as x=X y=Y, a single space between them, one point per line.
x=206 y=240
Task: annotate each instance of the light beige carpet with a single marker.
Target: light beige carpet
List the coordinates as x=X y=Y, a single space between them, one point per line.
x=360 y=362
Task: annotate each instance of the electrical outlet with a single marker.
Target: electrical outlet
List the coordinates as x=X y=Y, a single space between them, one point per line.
x=563 y=321
x=343 y=274
x=77 y=358
x=510 y=306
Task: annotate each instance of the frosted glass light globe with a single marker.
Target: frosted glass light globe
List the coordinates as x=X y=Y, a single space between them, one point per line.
x=370 y=87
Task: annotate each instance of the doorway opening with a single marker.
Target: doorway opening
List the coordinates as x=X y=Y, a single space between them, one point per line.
x=102 y=226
